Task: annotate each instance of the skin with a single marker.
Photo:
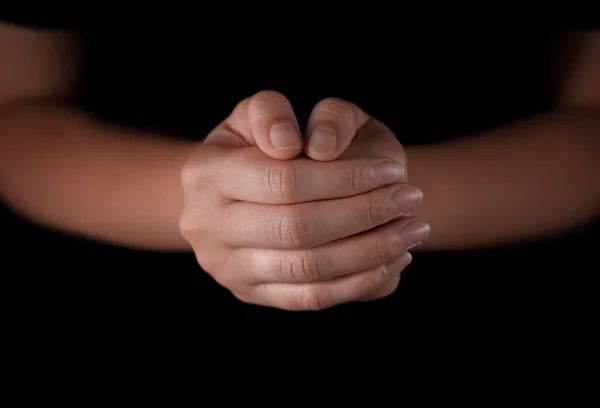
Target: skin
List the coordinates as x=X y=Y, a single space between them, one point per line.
x=64 y=169
x=294 y=233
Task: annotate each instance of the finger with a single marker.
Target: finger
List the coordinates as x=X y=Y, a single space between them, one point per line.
x=386 y=290
x=322 y=295
x=249 y=175
x=307 y=225
x=378 y=140
x=331 y=127
x=372 y=249
x=267 y=120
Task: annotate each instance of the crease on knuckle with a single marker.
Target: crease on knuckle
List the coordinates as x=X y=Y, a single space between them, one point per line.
x=280 y=180
x=361 y=179
x=312 y=298
x=381 y=250
x=301 y=267
x=355 y=176
x=374 y=214
x=292 y=231
x=388 y=249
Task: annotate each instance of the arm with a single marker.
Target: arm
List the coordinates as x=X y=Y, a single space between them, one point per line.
x=61 y=168
x=537 y=176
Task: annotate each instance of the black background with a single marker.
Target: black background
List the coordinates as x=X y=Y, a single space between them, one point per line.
x=428 y=86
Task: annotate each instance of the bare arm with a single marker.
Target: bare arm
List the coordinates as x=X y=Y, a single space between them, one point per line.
x=537 y=176
x=66 y=170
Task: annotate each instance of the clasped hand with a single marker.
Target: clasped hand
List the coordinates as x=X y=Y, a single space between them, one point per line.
x=301 y=233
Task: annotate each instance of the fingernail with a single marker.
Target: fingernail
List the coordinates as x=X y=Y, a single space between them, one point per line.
x=396 y=266
x=284 y=136
x=388 y=172
x=413 y=233
x=323 y=139
x=406 y=198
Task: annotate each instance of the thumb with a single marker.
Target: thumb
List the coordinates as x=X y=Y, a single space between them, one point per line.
x=266 y=120
x=332 y=125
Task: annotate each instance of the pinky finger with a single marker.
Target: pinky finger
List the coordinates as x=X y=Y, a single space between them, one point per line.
x=389 y=287
x=385 y=291
x=326 y=294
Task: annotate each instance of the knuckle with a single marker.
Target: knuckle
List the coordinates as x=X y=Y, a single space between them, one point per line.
x=373 y=282
x=312 y=298
x=336 y=107
x=367 y=289
x=242 y=106
x=255 y=295
x=212 y=267
x=292 y=230
x=382 y=251
x=279 y=180
x=268 y=102
x=374 y=213
x=388 y=247
x=389 y=288
x=191 y=223
x=242 y=297
x=187 y=226
x=196 y=173
x=190 y=176
x=301 y=267
x=383 y=291
x=361 y=178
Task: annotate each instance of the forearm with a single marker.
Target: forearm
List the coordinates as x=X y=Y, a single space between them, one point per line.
x=528 y=179
x=65 y=170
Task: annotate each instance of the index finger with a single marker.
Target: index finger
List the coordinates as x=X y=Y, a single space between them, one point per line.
x=251 y=176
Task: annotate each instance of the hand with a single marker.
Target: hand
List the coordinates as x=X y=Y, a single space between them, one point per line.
x=339 y=129
x=294 y=234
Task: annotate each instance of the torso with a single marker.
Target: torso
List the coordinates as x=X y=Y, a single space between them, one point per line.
x=426 y=85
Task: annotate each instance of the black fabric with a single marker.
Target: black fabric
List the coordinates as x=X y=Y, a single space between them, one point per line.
x=175 y=71
x=37 y=16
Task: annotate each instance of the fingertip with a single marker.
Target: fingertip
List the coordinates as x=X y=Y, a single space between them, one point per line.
x=284 y=141
x=284 y=154
x=280 y=154
x=284 y=136
x=273 y=125
x=321 y=157
x=323 y=144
